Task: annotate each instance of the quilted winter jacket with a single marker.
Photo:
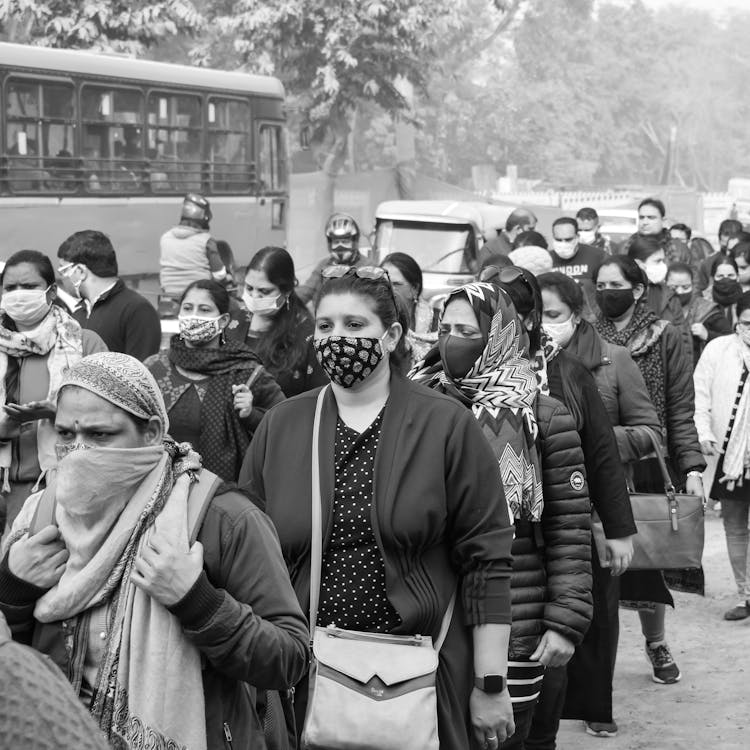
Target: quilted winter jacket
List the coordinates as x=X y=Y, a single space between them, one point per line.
x=551 y=579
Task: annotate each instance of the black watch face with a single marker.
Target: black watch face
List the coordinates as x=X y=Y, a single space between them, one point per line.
x=494 y=683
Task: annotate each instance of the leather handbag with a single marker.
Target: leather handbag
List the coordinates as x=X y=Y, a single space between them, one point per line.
x=367 y=691
x=671 y=526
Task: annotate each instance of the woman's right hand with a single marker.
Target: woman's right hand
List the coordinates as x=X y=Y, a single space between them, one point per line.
x=40 y=559
x=708 y=447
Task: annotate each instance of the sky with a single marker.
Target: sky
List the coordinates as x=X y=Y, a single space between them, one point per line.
x=717 y=6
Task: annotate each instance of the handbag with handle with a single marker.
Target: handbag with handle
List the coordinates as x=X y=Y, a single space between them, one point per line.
x=671 y=526
x=368 y=691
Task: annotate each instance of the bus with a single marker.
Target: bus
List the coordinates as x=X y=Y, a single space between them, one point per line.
x=95 y=141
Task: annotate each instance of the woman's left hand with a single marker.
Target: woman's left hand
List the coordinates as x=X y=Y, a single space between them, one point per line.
x=694 y=486
x=243 y=400
x=491 y=717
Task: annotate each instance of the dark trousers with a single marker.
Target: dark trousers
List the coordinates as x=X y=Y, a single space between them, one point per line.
x=542 y=732
x=522 y=720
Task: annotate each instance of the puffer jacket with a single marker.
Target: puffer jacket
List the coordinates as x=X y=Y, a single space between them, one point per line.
x=551 y=579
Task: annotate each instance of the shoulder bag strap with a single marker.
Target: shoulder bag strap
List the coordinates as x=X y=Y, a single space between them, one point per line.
x=316 y=534
x=659 y=451
x=201 y=493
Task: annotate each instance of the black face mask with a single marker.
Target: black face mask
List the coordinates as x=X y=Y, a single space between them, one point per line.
x=614 y=303
x=726 y=291
x=684 y=297
x=459 y=354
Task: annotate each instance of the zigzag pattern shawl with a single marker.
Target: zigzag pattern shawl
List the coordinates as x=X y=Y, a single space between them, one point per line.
x=501 y=391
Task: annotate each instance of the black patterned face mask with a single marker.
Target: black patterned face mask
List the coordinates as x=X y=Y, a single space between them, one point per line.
x=348 y=360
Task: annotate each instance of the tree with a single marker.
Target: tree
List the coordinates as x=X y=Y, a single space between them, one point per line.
x=117 y=26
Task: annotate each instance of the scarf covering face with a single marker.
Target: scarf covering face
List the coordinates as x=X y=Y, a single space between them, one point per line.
x=736 y=464
x=501 y=390
x=58 y=337
x=642 y=337
x=224 y=438
x=149 y=689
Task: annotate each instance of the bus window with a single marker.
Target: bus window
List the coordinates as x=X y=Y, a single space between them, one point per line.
x=112 y=139
x=174 y=141
x=270 y=159
x=228 y=138
x=40 y=125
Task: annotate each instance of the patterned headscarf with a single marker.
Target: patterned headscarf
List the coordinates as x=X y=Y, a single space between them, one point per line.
x=123 y=381
x=501 y=390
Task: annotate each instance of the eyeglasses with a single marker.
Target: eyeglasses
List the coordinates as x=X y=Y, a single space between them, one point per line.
x=345 y=244
x=371 y=273
x=64 y=268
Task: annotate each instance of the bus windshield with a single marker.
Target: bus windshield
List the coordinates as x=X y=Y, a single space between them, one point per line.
x=436 y=247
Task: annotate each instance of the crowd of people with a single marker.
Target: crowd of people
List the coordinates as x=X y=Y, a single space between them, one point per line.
x=159 y=504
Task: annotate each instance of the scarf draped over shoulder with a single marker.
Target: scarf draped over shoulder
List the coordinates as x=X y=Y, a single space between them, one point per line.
x=501 y=391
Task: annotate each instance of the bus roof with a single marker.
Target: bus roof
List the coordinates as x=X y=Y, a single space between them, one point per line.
x=102 y=65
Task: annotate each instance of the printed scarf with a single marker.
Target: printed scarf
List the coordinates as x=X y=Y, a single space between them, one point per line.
x=501 y=391
x=224 y=438
x=642 y=338
x=736 y=464
x=149 y=689
x=58 y=336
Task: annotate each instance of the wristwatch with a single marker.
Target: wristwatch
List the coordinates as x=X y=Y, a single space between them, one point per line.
x=491 y=683
x=695 y=473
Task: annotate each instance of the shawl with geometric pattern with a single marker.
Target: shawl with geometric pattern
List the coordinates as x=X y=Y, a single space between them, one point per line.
x=501 y=390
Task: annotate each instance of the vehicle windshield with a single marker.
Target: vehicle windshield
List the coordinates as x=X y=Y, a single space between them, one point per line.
x=436 y=247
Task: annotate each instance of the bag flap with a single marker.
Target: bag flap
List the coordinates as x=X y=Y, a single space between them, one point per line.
x=362 y=659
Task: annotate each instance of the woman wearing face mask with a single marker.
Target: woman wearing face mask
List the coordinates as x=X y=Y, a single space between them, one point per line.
x=413 y=507
x=216 y=391
x=38 y=341
x=648 y=253
x=629 y=411
x=482 y=361
x=275 y=324
x=406 y=277
x=725 y=287
x=722 y=416
x=160 y=593
x=665 y=364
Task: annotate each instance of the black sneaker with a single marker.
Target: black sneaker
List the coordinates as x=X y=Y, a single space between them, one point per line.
x=740 y=612
x=666 y=671
x=601 y=728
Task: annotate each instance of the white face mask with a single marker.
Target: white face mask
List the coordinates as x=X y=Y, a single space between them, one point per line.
x=561 y=333
x=26 y=306
x=656 y=272
x=263 y=305
x=565 y=250
x=587 y=236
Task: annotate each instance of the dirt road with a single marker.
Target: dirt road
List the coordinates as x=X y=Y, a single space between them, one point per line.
x=710 y=706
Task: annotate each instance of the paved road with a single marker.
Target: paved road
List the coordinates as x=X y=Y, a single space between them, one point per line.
x=710 y=707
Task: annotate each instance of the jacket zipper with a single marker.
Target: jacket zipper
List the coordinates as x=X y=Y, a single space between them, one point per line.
x=227 y=736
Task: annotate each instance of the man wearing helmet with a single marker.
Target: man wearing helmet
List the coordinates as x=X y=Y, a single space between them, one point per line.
x=342 y=235
x=188 y=252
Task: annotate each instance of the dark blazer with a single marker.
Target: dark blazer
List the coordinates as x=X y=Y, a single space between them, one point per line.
x=439 y=517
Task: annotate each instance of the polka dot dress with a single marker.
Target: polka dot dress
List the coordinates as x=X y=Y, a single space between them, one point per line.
x=352 y=590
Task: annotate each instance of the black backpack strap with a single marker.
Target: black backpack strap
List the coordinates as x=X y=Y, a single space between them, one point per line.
x=44 y=515
x=201 y=493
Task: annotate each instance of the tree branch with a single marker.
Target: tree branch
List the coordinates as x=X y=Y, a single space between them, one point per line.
x=508 y=17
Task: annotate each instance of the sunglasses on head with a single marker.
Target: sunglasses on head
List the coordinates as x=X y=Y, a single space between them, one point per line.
x=505 y=275
x=371 y=273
